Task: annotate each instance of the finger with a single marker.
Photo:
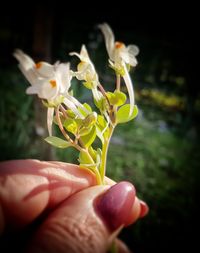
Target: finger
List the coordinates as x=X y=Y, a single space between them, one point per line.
x=88 y=221
x=29 y=187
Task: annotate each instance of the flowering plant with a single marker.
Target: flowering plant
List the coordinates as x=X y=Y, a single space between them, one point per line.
x=79 y=124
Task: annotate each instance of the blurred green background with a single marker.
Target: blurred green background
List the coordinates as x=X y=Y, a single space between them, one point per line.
x=158 y=151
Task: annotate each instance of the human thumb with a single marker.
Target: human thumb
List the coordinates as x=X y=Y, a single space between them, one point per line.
x=88 y=221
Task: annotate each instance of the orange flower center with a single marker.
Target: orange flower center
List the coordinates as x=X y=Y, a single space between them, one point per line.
x=38 y=65
x=118 y=44
x=53 y=83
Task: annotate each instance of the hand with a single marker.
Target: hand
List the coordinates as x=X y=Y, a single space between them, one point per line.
x=57 y=207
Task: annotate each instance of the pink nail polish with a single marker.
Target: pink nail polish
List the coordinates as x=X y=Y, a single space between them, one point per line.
x=144 y=209
x=115 y=205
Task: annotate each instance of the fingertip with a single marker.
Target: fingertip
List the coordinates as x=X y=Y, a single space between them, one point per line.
x=144 y=209
x=114 y=206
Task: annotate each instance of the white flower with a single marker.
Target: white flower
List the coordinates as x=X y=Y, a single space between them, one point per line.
x=86 y=72
x=51 y=82
x=117 y=51
x=120 y=56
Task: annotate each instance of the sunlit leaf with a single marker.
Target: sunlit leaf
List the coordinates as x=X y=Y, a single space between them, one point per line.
x=90 y=120
x=87 y=107
x=101 y=122
x=123 y=116
x=83 y=158
x=100 y=126
x=116 y=98
x=84 y=130
x=89 y=138
x=101 y=104
x=71 y=126
x=93 y=153
x=57 y=142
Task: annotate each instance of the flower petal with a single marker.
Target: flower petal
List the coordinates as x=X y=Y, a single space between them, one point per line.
x=133 y=50
x=109 y=38
x=33 y=89
x=50 y=113
x=24 y=60
x=49 y=89
x=63 y=76
x=26 y=65
x=76 y=103
x=44 y=69
x=84 y=53
x=72 y=107
x=129 y=86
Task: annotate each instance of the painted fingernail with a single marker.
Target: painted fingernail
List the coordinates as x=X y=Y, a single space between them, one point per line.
x=144 y=209
x=115 y=205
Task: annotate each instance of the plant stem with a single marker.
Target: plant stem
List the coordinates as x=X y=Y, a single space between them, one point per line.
x=118 y=81
x=95 y=170
x=104 y=94
x=105 y=147
x=61 y=126
x=75 y=145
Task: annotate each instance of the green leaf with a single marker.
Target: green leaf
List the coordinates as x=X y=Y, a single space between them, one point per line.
x=87 y=107
x=85 y=161
x=123 y=116
x=93 y=153
x=101 y=122
x=71 y=126
x=70 y=114
x=88 y=85
x=116 y=98
x=90 y=120
x=89 y=138
x=83 y=158
x=101 y=104
x=84 y=130
x=57 y=142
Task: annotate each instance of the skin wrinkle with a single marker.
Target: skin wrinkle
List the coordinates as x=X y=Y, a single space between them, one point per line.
x=10 y=199
x=74 y=211
x=88 y=233
x=55 y=181
x=76 y=221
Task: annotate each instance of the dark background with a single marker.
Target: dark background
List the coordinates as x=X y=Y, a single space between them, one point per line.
x=162 y=146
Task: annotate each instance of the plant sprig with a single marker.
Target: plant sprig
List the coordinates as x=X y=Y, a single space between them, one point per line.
x=78 y=123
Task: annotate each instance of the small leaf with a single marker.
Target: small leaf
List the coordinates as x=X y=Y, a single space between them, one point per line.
x=84 y=112
x=101 y=104
x=71 y=126
x=57 y=142
x=88 y=85
x=84 y=130
x=83 y=158
x=101 y=122
x=70 y=114
x=88 y=107
x=116 y=98
x=93 y=153
x=120 y=97
x=89 y=138
x=99 y=154
x=101 y=126
x=122 y=115
x=90 y=120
